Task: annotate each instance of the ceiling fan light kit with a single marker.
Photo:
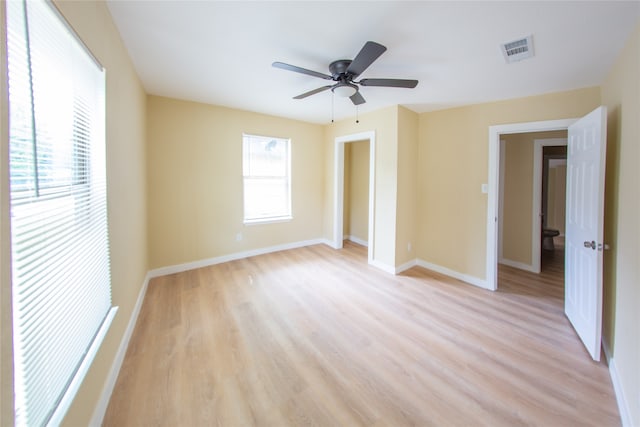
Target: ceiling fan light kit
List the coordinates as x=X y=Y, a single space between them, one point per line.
x=344 y=90
x=344 y=71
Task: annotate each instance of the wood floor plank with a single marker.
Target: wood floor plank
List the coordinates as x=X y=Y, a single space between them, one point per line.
x=315 y=336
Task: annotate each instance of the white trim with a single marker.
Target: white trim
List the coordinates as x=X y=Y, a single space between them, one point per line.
x=536 y=206
x=453 y=274
x=623 y=405
x=273 y=220
x=329 y=243
x=179 y=268
x=501 y=199
x=356 y=240
x=382 y=266
x=107 y=390
x=621 y=399
x=491 y=281
x=72 y=390
x=406 y=266
x=338 y=190
x=519 y=265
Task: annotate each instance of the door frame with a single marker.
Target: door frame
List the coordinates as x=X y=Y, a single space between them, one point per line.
x=338 y=191
x=494 y=185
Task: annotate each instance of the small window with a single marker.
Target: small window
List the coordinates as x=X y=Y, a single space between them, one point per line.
x=266 y=165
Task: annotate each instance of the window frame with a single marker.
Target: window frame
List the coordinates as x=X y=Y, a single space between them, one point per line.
x=267 y=219
x=60 y=213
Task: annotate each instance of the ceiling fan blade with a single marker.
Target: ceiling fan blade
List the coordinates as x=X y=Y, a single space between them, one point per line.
x=389 y=83
x=369 y=53
x=357 y=99
x=301 y=70
x=312 y=92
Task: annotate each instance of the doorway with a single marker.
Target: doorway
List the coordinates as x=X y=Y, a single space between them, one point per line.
x=356 y=192
x=523 y=235
x=495 y=135
x=553 y=203
x=584 y=217
x=339 y=185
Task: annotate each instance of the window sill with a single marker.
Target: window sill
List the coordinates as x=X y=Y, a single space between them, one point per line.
x=273 y=220
x=73 y=388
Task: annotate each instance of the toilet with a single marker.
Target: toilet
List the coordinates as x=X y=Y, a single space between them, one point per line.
x=547 y=238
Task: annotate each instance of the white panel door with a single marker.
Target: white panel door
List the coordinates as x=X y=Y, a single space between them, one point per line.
x=584 y=227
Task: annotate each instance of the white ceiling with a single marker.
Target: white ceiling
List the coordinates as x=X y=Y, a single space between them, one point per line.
x=221 y=52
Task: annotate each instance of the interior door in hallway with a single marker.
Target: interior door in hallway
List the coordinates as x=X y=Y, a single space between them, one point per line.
x=584 y=227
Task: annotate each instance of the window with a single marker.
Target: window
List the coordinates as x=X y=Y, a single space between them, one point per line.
x=61 y=282
x=267 y=185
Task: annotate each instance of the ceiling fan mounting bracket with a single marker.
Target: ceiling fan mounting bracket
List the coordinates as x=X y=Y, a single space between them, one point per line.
x=339 y=68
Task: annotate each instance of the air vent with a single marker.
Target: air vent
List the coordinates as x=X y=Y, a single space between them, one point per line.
x=517 y=50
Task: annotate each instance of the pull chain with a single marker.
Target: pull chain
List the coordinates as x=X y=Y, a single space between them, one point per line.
x=357 y=121
x=332 y=98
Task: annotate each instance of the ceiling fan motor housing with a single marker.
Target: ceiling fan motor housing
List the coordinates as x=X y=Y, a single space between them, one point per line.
x=338 y=68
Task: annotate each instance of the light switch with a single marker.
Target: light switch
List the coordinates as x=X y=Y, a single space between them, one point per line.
x=485 y=188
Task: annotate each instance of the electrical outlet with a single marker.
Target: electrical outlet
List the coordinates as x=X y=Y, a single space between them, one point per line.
x=238 y=237
x=409 y=247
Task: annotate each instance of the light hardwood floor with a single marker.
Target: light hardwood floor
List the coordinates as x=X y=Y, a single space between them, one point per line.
x=315 y=336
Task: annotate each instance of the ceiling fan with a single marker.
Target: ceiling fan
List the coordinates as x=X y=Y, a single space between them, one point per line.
x=344 y=71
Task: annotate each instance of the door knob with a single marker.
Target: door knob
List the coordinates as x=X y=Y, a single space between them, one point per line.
x=590 y=244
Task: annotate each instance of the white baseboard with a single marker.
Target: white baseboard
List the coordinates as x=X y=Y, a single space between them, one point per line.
x=406 y=266
x=621 y=399
x=382 y=266
x=393 y=270
x=324 y=241
x=179 y=268
x=105 y=396
x=429 y=266
x=454 y=274
x=518 y=265
x=357 y=240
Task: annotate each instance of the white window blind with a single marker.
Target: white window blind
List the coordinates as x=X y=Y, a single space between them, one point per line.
x=60 y=250
x=267 y=183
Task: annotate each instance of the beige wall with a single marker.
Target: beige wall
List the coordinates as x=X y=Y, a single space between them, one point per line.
x=453 y=164
x=407 y=186
x=356 y=191
x=126 y=186
x=518 y=194
x=621 y=316
x=556 y=198
x=194 y=161
x=517 y=198
x=346 y=196
x=384 y=123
